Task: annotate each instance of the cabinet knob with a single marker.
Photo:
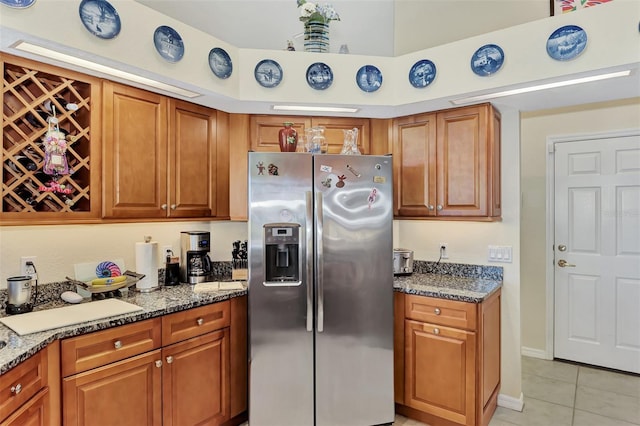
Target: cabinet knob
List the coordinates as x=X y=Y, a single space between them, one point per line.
x=199 y=321
x=16 y=389
x=436 y=331
x=430 y=206
x=439 y=207
x=159 y=363
x=169 y=359
x=163 y=207
x=173 y=206
x=437 y=311
x=117 y=344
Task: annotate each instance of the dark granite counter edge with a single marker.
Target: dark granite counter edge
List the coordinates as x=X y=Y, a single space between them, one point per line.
x=75 y=330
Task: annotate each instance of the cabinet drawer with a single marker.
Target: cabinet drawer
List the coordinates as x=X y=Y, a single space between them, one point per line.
x=22 y=382
x=195 y=322
x=103 y=347
x=441 y=311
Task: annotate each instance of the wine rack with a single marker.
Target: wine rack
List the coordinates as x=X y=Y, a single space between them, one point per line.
x=31 y=94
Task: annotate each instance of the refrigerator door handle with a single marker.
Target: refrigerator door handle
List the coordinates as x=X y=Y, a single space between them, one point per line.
x=309 y=259
x=320 y=260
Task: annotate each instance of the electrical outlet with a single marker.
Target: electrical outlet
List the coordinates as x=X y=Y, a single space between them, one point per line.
x=444 y=251
x=28 y=269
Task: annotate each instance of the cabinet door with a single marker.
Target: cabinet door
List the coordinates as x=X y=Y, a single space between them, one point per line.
x=33 y=413
x=440 y=371
x=414 y=149
x=195 y=380
x=192 y=160
x=135 y=153
x=333 y=132
x=124 y=393
x=462 y=168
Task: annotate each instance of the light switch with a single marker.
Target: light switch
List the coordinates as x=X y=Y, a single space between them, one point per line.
x=502 y=254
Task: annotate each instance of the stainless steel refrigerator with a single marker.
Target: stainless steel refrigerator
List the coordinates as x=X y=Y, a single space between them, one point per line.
x=320 y=290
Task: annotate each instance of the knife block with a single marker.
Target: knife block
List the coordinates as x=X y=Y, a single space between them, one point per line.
x=239 y=271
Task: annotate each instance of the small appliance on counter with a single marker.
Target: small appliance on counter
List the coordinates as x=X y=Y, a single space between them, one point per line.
x=194 y=252
x=402 y=261
x=19 y=290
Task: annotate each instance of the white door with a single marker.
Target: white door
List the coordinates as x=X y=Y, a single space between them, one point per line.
x=597 y=239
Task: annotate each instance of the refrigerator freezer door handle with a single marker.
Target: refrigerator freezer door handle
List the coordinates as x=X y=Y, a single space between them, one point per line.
x=320 y=260
x=309 y=259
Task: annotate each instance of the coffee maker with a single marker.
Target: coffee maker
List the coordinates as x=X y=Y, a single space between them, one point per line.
x=195 y=264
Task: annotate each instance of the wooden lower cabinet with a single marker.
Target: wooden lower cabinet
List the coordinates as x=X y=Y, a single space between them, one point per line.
x=127 y=392
x=199 y=376
x=30 y=392
x=447 y=359
x=195 y=380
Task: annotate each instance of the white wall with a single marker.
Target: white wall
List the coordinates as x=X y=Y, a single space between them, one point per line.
x=58 y=247
x=536 y=127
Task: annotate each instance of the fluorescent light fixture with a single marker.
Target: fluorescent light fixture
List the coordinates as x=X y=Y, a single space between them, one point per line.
x=540 y=87
x=313 y=108
x=63 y=57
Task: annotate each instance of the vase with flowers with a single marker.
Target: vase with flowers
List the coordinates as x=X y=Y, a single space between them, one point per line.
x=316 y=18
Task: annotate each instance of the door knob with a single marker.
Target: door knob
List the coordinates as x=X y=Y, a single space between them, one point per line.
x=563 y=264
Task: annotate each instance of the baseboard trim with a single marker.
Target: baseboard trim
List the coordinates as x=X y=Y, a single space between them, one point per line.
x=535 y=353
x=510 y=402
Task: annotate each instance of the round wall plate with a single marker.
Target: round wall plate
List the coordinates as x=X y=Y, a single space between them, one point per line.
x=18 y=4
x=566 y=43
x=319 y=76
x=268 y=73
x=100 y=18
x=220 y=63
x=369 y=78
x=168 y=43
x=487 y=60
x=422 y=73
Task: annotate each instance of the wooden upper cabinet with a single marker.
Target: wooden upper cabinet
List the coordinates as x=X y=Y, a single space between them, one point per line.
x=160 y=157
x=448 y=164
x=32 y=93
x=414 y=165
x=265 y=128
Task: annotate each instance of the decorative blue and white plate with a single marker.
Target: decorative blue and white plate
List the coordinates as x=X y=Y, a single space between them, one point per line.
x=100 y=18
x=268 y=73
x=168 y=43
x=220 y=62
x=422 y=73
x=369 y=78
x=319 y=76
x=18 y=4
x=566 y=42
x=487 y=60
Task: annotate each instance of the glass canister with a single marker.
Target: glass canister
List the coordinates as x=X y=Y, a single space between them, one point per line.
x=316 y=142
x=350 y=145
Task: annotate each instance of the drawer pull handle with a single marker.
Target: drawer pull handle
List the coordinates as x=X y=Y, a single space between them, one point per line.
x=16 y=389
x=159 y=363
x=437 y=311
x=169 y=359
x=199 y=321
x=436 y=331
x=117 y=344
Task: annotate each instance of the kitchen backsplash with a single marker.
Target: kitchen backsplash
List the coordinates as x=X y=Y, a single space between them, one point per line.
x=222 y=272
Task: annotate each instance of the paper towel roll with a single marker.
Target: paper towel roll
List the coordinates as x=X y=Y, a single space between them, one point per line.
x=147 y=264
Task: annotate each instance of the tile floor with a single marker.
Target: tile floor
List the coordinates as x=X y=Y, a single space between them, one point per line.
x=564 y=394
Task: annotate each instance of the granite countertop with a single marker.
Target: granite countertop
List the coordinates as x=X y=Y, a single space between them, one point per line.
x=464 y=289
x=157 y=303
x=466 y=283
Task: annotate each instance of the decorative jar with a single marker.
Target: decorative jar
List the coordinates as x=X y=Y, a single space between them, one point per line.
x=350 y=145
x=288 y=138
x=316 y=36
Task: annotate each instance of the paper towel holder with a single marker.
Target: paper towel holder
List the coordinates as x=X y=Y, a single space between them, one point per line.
x=152 y=284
